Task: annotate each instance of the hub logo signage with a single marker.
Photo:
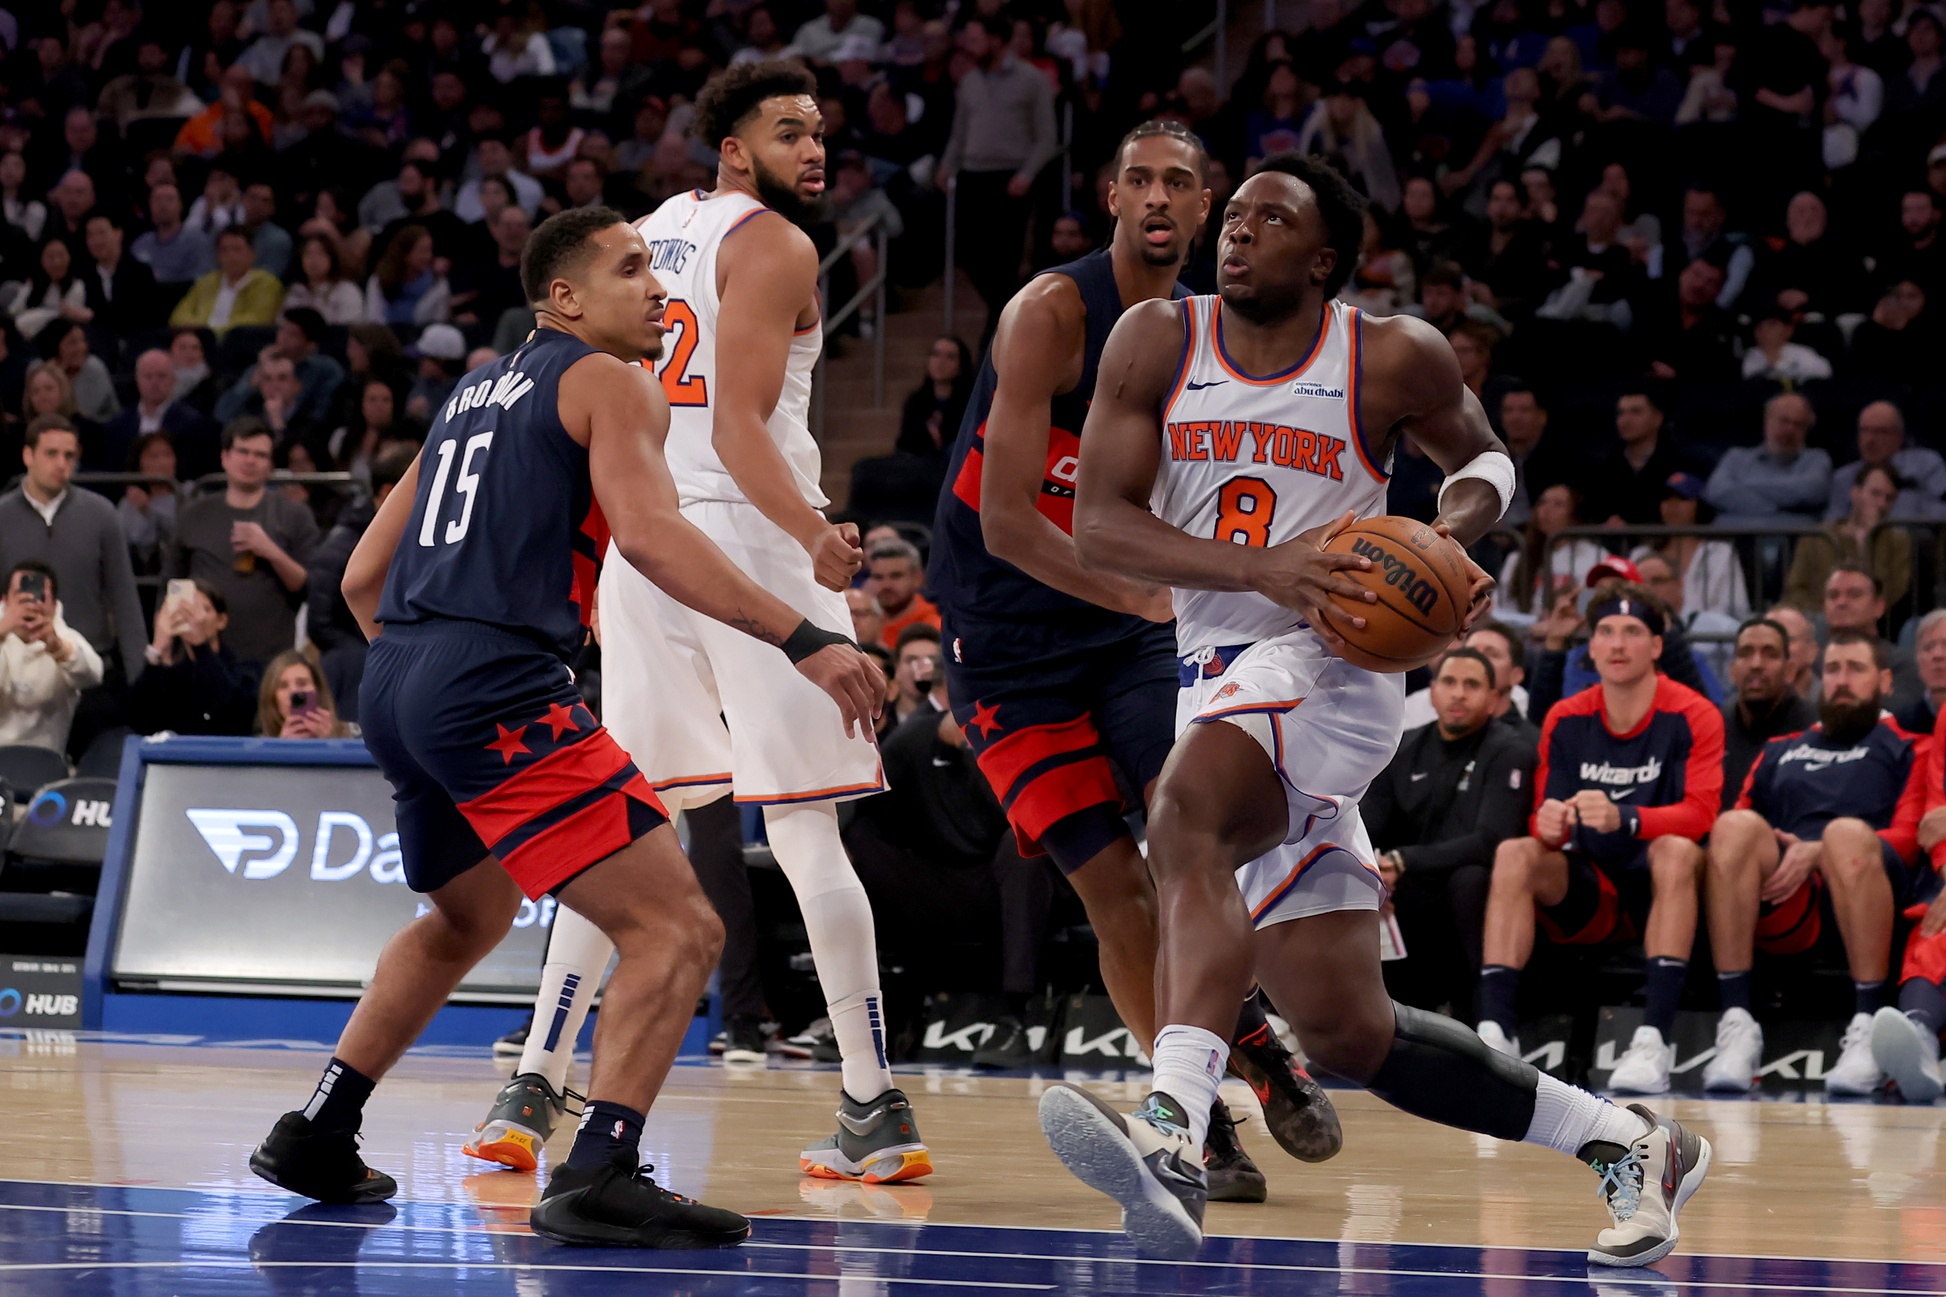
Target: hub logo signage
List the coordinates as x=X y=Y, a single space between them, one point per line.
x=279 y=877
x=39 y=993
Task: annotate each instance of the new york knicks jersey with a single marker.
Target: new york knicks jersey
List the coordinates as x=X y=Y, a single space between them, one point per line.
x=685 y=236
x=504 y=527
x=1255 y=461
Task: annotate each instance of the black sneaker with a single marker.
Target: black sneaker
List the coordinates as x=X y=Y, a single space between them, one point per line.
x=1007 y=1047
x=514 y=1043
x=620 y=1205
x=318 y=1164
x=1296 y=1108
x=743 y=1041
x=1233 y=1177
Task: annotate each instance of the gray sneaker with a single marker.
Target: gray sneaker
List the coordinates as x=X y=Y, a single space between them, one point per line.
x=1143 y=1160
x=877 y=1142
x=1645 y=1186
x=524 y=1114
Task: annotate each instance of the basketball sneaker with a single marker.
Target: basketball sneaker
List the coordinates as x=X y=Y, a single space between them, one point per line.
x=1645 y=1186
x=619 y=1204
x=1739 y=1052
x=523 y=1115
x=1144 y=1161
x=1856 y=1071
x=1497 y=1039
x=1296 y=1108
x=1908 y=1053
x=743 y=1042
x=1007 y=1048
x=1645 y=1066
x=319 y=1164
x=817 y=1041
x=877 y=1142
x=1232 y=1176
x=514 y=1043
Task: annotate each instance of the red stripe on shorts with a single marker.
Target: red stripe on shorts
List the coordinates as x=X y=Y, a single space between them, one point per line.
x=1004 y=761
x=562 y=774
x=1055 y=794
x=590 y=835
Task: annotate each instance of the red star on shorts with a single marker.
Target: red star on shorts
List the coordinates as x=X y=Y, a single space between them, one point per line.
x=509 y=744
x=987 y=718
x=559 y=719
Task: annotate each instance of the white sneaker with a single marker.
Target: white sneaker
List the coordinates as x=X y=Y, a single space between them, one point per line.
x=1645 y=1068
x=1645 y=1188
x=1739 y=1053
x=1499 y=1040
x=1143 y=1160
x=1907 y=1053
x=1855 y=1072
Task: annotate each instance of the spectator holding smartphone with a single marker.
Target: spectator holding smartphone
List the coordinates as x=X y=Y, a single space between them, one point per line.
x=44 y=665
x=919 y=670
x=194 y=684
x=294 y=702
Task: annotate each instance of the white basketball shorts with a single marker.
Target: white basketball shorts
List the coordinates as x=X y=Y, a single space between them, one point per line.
x=703 y=708
x=1329 y=728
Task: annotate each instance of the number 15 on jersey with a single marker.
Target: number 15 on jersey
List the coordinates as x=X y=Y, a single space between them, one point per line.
x=464 y=486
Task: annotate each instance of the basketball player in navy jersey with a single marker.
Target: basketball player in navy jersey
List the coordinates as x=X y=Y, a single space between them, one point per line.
x=1255 y=771
x=1065 y=679
x=474 y=582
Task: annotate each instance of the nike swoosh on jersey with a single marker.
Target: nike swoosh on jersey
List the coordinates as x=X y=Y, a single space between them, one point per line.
x=1197 y=387
x=1623 y=795
x=1417 y=775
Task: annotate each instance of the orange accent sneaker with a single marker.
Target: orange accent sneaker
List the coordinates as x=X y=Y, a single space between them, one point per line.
x=877 y=1143
x=523 y=1115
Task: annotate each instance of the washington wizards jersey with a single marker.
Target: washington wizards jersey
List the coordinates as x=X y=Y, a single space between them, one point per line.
x=504 y=527
x=1802 y=782
x=1668 y=769
x=962 y=575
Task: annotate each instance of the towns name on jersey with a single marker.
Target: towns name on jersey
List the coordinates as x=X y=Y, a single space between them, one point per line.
x=502 y=391
x=669 y=254
x=1223 y=440
x=1600 y=772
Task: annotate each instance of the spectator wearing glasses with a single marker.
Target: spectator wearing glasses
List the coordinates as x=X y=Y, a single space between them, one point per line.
x=44 y=664
x=250 y=544
x=1882 y=440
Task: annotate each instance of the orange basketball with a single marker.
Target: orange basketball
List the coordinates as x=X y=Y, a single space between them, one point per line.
x=1421 y=581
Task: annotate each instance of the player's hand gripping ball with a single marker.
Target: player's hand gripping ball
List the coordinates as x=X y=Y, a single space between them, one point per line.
x=1423 y=586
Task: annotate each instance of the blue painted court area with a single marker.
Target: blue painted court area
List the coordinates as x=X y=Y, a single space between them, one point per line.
x=58 y=1240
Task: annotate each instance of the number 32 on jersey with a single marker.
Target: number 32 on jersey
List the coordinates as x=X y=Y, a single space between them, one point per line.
x=682 y=387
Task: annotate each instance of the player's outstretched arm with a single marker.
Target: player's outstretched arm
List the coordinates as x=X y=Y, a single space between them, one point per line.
x=1035 y=356
x=1121 y=452
x=768 y=276
x=371 y=558
x=625 y=408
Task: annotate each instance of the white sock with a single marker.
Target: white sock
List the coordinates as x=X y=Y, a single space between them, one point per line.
x=1567 y=1118
x=844 y=942
x=577 y=955
x=1188 y=1064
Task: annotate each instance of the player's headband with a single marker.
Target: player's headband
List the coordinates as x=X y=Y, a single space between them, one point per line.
x=1625 y=607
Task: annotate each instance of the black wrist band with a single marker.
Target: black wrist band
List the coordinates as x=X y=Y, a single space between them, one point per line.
x=808 y=639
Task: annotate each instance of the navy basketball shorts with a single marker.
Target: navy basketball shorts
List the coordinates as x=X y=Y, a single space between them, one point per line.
x=1057 y=728
x=1797 y=923
x=1607 y=900
x=490 y=749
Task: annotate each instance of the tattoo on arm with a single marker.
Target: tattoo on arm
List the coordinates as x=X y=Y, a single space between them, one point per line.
x=750 y=626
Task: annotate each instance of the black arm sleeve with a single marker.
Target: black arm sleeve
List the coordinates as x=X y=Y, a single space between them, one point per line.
x=1492 y=810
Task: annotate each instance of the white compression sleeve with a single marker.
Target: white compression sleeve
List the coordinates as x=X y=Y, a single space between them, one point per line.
x=844 y=942
x=577 y=955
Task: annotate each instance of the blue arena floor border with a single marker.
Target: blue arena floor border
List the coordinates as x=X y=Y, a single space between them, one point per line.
x=63 y=1240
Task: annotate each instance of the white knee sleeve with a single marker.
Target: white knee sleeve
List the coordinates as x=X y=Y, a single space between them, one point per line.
x=577 y=956
x=844 y=944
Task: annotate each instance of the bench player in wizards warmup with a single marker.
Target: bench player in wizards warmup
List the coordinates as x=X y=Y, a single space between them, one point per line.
x=702 y=708
x=1065 y=679
x=1255 y=820
x=504 y=782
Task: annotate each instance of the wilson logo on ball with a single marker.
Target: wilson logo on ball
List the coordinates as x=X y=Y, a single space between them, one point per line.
x=1400 y=575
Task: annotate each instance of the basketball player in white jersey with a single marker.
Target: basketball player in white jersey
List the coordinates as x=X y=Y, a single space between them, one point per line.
x=1230 y=437
x=701 y=713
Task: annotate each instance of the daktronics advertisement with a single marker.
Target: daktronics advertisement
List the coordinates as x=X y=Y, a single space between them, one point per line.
x=280 y=877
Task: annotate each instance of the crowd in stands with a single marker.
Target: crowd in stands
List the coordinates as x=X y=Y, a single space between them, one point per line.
x=1689 y=256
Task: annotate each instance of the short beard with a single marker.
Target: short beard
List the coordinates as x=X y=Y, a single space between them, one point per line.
x=780 y=197
x=1261 y=309
x=1845 y=723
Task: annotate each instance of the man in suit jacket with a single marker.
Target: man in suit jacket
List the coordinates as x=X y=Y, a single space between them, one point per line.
x=237 y=292
x=121 y=290
x=193 y=435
